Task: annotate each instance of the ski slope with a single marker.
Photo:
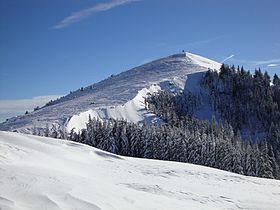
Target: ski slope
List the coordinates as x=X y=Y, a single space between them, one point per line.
x=45 y=173
x=119 y=96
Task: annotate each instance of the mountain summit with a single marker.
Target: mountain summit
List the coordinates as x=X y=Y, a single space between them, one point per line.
x=119 y=96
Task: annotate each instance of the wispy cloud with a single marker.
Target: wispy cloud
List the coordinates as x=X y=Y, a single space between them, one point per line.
x=227 y=58
x=273 y=64
x=265 y=62
x=11 y=108
x=258 y=63
x=82 y=14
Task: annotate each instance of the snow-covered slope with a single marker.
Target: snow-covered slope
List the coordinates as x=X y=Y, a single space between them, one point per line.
x=119 y=96
x=45 y=173
x=132 y=111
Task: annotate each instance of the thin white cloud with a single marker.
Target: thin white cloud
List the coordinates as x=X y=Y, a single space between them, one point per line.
x=11 y=108
x=227 y=58
x=273 y=65
x=82 y=14
x=258 y=63
x=266 y=62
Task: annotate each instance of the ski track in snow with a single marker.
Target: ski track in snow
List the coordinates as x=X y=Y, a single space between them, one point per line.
x=119 y=96
x=45 y=173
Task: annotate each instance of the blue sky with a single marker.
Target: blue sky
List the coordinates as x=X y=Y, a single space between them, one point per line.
x=55 y=46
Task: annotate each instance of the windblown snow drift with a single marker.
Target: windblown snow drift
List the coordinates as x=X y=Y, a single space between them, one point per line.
x=45 y=173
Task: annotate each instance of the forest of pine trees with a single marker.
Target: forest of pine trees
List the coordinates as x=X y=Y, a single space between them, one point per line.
x=242 y=100
x=248 y=102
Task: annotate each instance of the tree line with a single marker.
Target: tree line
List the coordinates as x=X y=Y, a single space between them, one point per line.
x=181 y=137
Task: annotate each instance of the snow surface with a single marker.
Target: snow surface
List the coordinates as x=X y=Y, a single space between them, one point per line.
x=132 y=111
x=201 y=61
x=45 y=173
x=115 y=96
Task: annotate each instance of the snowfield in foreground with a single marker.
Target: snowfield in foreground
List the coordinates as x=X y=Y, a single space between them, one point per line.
x=45 y=173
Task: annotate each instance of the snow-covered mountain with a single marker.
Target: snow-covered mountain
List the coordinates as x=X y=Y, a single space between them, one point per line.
x=119 y=96
x=45 y=173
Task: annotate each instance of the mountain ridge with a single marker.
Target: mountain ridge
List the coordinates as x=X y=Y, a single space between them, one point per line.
x=113 y=91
